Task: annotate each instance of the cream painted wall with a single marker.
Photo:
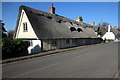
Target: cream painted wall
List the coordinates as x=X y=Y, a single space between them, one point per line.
x=30 y=34
x=20 y=33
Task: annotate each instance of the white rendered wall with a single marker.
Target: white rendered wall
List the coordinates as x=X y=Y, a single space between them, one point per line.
x=35 y=47
x=109 y=36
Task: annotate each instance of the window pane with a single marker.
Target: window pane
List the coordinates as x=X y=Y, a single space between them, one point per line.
x=25 y=29
x=67 y=41
x=54 y=43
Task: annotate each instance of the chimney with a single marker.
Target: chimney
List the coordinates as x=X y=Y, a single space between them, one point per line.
x=79 y=19
x=115 y=27
x=52 y=9
x=93 y=23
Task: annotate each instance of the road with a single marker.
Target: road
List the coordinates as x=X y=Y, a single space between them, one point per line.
x=93 y=62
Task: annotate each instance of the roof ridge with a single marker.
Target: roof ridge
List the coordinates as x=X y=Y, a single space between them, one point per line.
x=67 y=19
x=46 y=27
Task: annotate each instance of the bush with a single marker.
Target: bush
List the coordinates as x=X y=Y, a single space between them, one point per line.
x=14 y=48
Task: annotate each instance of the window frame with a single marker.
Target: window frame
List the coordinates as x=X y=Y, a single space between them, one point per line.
x=54 y=43
x=67 y=41
x=72 y=29
x=79 y=30
x=25 y=27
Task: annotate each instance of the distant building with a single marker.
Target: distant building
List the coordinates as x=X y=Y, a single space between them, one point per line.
x=112 y=34
x=49 y=31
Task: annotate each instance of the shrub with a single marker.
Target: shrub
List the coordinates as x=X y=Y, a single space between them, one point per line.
x=14 y=48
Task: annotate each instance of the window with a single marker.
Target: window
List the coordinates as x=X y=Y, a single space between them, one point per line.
x=25 y=29
x=59 y=21
x=72 y=28
x=74 y=41
x=79 y=30
x=49 y=17
x=67 y=41
x=54 y=43
x=83 y=41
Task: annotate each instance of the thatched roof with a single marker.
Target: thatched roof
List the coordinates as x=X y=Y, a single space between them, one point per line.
x=115 y=31
x=53 y=26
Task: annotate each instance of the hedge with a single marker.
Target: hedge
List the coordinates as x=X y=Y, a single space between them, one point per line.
x=14 y=48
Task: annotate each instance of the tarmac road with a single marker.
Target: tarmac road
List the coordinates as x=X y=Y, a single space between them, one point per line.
x=93 y=62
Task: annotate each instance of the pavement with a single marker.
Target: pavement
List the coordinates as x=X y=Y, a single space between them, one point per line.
x=97 y=61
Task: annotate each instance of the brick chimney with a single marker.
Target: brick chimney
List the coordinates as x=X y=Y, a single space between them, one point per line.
x=79 y=19
x=93 y=23
x=52 y=9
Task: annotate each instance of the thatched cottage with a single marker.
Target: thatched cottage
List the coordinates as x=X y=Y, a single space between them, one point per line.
x=48 y=31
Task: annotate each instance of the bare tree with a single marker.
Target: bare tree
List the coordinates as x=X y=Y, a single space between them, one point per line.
x=102 y=28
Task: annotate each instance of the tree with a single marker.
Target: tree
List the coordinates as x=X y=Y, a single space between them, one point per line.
x=10 y=34
x=4 y=35
x=102 y=28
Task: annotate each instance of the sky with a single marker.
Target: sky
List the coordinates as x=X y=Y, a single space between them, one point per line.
x=90 y=11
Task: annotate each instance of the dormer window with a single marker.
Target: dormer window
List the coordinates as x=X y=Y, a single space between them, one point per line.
x=59 y=21
x=25 y=28
x=79 y=30
x=49 y=17
x=72 y=29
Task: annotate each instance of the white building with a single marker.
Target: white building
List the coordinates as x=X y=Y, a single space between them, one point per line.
x=111 y=34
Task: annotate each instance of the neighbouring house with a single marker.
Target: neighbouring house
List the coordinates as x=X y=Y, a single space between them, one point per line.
x=49 y=31
x=111 y=35
x=116 y=33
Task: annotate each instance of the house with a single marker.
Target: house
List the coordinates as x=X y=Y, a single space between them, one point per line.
x=49 y=31
x=116 y=33
x=112 y=34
